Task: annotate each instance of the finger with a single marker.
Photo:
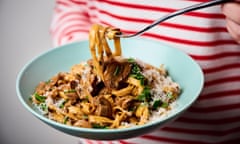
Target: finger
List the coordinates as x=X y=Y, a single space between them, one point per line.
x=234 y=29
x=232 y=11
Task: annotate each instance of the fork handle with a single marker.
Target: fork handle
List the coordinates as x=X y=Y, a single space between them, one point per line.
x=178 y=12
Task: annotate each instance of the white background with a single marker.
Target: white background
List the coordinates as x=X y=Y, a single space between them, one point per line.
x=24 y=34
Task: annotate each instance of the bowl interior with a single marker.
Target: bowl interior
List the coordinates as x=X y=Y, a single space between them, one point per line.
x=180 y=66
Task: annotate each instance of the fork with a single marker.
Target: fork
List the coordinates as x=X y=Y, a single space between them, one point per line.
x=173 y=14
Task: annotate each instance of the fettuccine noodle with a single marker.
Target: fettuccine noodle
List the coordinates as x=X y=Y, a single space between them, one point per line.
x=107 y=91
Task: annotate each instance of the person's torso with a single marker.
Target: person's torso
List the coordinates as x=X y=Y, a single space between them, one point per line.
x=201 y=34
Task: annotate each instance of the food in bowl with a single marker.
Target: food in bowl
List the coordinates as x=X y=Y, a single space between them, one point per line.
x=108 y=90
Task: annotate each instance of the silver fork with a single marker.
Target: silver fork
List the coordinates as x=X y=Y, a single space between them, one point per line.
x=173 y=14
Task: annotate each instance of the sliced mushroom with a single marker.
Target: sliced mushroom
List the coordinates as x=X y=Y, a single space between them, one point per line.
x=96 y=86
x=125 y=102
x=74 y=84
x=115 y=73
x=104 y=107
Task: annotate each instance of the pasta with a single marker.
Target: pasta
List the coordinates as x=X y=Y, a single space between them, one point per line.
x=107 y=91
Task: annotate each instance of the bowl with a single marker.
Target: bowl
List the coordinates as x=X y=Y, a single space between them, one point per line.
x=182 y=68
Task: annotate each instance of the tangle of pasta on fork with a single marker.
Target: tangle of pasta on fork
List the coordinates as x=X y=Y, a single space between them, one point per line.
x=108 y=90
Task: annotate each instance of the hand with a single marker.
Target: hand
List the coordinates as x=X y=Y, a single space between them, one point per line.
x=232 y=12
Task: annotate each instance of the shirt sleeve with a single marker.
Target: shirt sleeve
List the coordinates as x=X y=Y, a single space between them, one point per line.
x=70 y=22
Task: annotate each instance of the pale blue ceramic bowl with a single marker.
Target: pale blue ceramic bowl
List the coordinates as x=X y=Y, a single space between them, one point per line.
x=181 y=67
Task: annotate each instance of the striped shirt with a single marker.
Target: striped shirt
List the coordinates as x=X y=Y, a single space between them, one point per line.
x=215 y=116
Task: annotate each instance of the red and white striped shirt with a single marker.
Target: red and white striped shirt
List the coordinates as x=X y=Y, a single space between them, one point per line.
x=215 y=116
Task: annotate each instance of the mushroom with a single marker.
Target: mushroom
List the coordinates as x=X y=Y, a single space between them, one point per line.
x=104 y=107
x=115 y=73
x=125 y=102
